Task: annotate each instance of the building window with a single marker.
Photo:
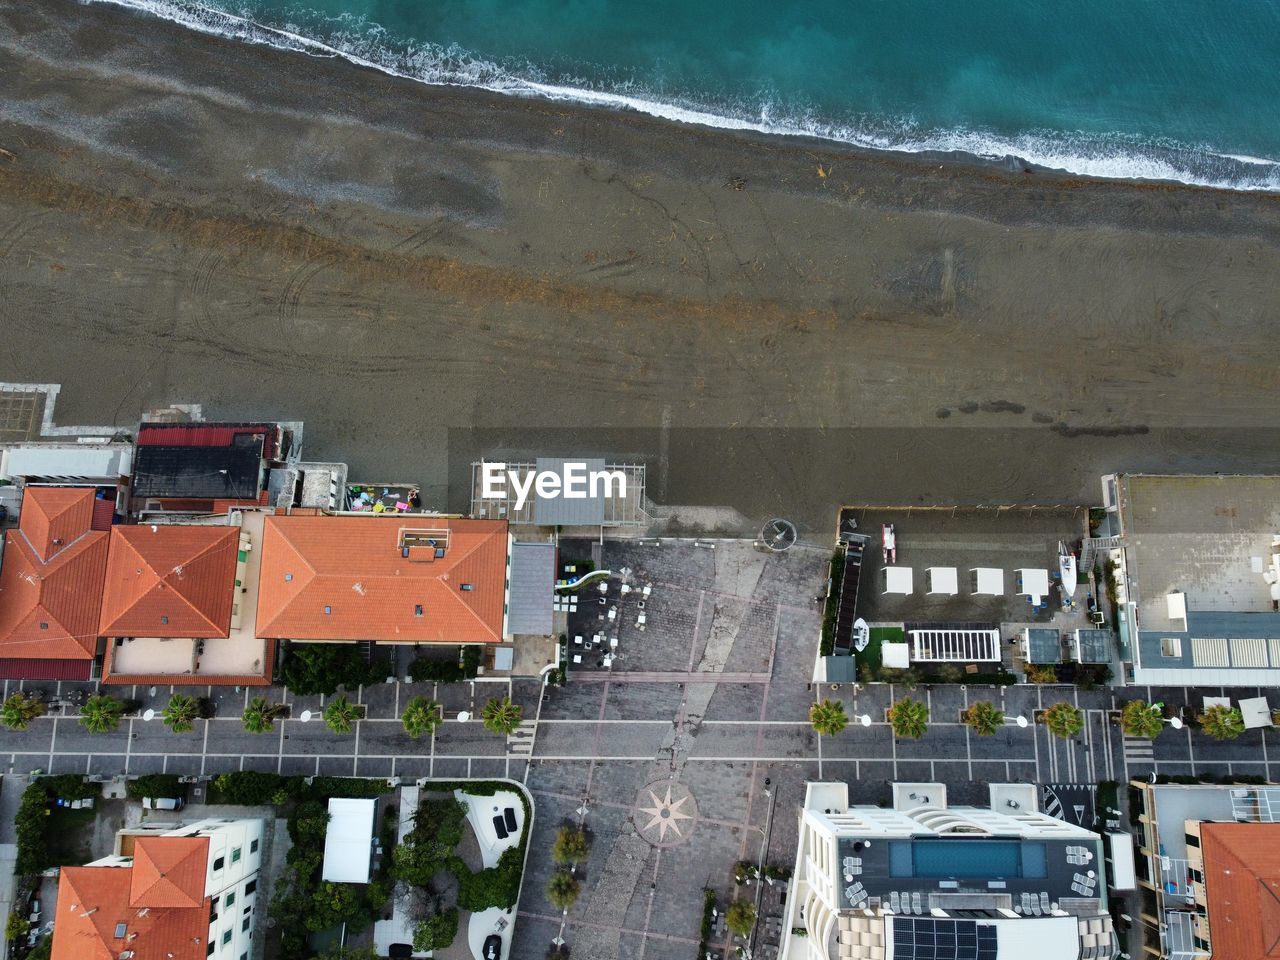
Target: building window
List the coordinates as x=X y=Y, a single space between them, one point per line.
x=209 y=952
x=328 y=609
x=235 y=854
x=120 y=931
x=245 y=924
x=219 y=863
x=1170 y=647
x=253 y=846
x=231 y=899
x=226 y=937
x=251 y=886
x=164 y=620
x=417 y=609
x=1193 y=840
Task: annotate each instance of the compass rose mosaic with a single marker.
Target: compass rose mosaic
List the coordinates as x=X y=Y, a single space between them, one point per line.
x=665 y=813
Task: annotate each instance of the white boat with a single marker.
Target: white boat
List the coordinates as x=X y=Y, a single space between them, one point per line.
x=861 y=634
x=1067 y=568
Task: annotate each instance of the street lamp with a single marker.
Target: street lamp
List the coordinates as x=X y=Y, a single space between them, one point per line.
x=865 y=719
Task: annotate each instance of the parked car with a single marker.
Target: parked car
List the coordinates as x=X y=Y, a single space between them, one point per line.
x=492 y=947
x=162 y=803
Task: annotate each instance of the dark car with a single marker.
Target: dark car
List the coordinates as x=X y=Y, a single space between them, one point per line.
x=492 y=947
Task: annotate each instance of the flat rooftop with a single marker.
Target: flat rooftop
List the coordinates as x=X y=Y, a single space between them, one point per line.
x=974 y=873
x=1208 y=537
x=964 y=538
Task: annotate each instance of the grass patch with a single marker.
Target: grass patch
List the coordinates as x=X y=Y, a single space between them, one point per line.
x=869 y=659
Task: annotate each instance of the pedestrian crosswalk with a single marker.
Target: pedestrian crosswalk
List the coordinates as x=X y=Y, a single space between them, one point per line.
x=1138 y=751
x=520 y=740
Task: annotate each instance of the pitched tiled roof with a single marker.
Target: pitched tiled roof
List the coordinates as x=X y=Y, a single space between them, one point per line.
x=52 y=517
x=347 y=578
x=169 y=871
x=93 y=903
x=1242 y=888
x=51 y=577
x=170 y=580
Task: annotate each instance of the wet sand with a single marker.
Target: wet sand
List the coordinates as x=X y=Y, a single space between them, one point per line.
x=425 y=273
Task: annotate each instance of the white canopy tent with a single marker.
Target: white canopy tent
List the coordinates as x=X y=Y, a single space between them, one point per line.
x=942 y=580
x=895 y=655
x=899 y=580
x=1033 y=583
x=1255 y=712
x=348 y=840
x=987 y=581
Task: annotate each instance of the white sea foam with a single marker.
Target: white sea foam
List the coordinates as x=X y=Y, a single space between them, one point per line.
x=1081 y=154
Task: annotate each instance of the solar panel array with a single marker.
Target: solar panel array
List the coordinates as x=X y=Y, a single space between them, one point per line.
x=929 y=939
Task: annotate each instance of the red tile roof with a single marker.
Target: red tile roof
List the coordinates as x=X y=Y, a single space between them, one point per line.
x=52 y=517
x=51 y=577
x=94 y=901
x=24 y=669
x=355 y=569
x=169 y=871
x=1242 y=888
x=170 y=580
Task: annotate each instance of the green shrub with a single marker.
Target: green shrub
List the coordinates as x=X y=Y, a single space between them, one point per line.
x=425 y=670
x=471 y=661
x=438 y=932
x=321 y=668
x=251 y=788
x=493 y=887
x=154 y=785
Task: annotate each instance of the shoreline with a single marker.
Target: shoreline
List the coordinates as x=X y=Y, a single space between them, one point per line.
x=1023 y=153
x=428 y=273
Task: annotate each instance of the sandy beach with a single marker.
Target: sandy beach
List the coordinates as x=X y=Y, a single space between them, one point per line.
x=425 y=273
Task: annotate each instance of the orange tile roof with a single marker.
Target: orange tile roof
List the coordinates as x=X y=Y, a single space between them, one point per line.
x=355 y=569
x=51 y=577
x=169 y=871
x=170 y=580
x=52 y=517
x=94 y=901
x=1242 y=888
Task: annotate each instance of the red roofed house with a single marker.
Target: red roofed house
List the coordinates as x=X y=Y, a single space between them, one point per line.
x=181 y=894
x=172 y=603
x=51 y=585
x=396 y=579
x=1237 y=902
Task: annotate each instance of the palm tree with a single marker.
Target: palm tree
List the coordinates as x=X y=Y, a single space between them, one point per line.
x=563 y=889
x=341 y=714
x=909 y=718
x=1141 y=719
x=984 y=718
x=1222 y=723
x=101 y=713
x=181 y=713
x=259 y=716
x=828 y=717
x=19 y=710
x=1064 y=720
x=420 y=716
x=501 y=716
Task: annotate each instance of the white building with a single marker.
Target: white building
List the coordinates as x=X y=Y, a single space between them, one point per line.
x=183 y=892
x=925 y=880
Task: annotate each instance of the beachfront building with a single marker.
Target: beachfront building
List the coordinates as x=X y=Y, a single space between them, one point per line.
x=385 y=579
x=181 y=892
x=51 y=577
x=1195 y=567
x=924 y=880
x=1209 y=870
x=178 y=603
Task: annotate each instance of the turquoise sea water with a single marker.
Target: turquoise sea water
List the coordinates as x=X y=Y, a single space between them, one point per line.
x=1176 y=89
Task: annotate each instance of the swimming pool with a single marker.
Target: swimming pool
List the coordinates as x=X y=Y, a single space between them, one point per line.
x=975 y=859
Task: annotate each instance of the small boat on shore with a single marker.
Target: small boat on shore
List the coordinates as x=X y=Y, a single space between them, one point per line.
x=1067 y=568
x=861 y=635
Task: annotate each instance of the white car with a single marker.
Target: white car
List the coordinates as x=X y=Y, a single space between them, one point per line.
x=162 y=803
